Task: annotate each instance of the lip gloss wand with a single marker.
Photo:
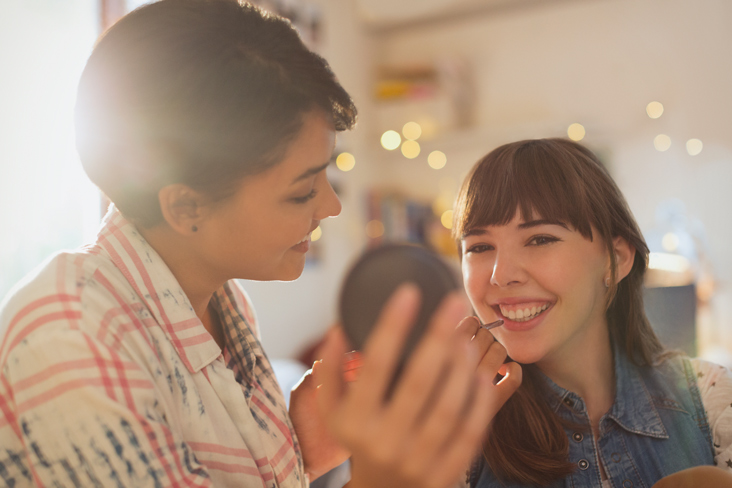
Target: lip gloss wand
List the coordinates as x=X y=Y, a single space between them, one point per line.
x=491 y=325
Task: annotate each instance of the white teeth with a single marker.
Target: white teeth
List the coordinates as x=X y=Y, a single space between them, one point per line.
x=524 y=314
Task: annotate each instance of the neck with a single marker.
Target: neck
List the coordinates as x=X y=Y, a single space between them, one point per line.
x=194 y=277
x=586 y=370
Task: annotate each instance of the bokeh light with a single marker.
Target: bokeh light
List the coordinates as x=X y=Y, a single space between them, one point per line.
x=446 y=219
x=439 y=205
x=662 y=142
x=654 y=110
x=694 y=146
x=437 y=160
x=412 y=131
x=410 y=149
x=316 y=234
x=374 y=229
x=345 y=161
x=576 y=132
x=391 y=140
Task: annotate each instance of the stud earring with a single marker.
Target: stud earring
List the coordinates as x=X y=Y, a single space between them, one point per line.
x=194 y=228
x=607 y=282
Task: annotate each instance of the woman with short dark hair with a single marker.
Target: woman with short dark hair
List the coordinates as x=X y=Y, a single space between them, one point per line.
x=136 y=361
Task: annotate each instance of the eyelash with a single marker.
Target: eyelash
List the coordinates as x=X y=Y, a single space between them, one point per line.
x=548 y=239
x=306 y=198
x=480 y=248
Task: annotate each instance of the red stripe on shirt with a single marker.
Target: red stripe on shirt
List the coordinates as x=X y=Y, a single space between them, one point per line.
x=31 y=307
x=58 y=368
x=132 y=254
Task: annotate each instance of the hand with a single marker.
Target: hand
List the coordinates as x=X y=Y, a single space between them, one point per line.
x=491 y=353
x=428 y=431
x=321 y=452
x=696 y=477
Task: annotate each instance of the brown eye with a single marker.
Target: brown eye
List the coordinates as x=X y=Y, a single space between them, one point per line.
x=478 y=248
x=542 y=240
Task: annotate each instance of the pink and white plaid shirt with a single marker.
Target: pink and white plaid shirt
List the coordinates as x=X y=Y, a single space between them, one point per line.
x=110 y=379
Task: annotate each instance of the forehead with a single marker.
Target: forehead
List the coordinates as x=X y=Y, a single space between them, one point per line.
x=307 y=154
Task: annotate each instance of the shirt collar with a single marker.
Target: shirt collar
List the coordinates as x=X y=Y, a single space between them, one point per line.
x=156 y=286
x=633 y=409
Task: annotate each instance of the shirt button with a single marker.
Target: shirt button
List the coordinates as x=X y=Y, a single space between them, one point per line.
x=627 y=484
x=615 y=457
x=583 y=464
x=577 y=437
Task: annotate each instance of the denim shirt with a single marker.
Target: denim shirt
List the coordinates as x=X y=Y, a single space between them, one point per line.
x=656 y=426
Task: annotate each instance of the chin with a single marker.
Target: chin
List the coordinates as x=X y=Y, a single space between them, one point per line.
x=290 y=273
x=523 y=354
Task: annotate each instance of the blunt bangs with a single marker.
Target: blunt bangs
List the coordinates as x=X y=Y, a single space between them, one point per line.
x=544 y=179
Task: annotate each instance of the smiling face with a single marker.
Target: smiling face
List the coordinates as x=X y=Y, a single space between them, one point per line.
x=262 y=232
x=545 y=279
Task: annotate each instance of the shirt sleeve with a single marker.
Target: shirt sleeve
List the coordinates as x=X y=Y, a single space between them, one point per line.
x=80 y=413
x=715 y=387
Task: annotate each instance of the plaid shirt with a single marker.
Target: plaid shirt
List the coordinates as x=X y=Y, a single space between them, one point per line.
x=110 y=379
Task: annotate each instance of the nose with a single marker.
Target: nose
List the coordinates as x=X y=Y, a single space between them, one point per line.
x=507 y=270
x=330 y=204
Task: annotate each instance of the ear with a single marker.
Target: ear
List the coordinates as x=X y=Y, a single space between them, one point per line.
x=182 y=207
x=624 y=257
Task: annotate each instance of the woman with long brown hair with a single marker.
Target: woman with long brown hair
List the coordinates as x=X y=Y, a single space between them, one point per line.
x=549 y=245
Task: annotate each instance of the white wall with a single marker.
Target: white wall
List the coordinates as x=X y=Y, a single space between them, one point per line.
x=46 y=201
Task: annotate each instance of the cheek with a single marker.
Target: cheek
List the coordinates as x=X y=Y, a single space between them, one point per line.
x=475 y=281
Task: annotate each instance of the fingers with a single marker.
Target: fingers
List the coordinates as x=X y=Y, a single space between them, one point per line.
x=503 y=390
x=493 y=357
x=468 y=327
x=467 y=436
x=427 y=363
x=446 y=409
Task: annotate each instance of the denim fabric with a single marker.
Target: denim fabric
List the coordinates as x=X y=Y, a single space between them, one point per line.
x=657 y=426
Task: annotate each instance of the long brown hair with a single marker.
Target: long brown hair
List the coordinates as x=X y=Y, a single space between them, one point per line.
x=560 y=181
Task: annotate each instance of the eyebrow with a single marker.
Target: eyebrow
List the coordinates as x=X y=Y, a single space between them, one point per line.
x=310 y=172
x=525 y=225
x=536 y=223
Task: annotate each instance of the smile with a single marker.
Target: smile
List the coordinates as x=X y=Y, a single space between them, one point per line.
x=523 y=312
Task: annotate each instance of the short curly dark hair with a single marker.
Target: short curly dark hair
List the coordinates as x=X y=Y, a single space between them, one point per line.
x=200 y=92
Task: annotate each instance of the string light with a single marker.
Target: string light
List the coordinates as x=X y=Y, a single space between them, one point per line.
x=316 y=234
x=412 y=131
x=437 y=160
x=391 y=140
x=345 y=161
x=662 y=142
x=654 y=110
x=410 y=149
x=694 y=146
x=576 y=132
